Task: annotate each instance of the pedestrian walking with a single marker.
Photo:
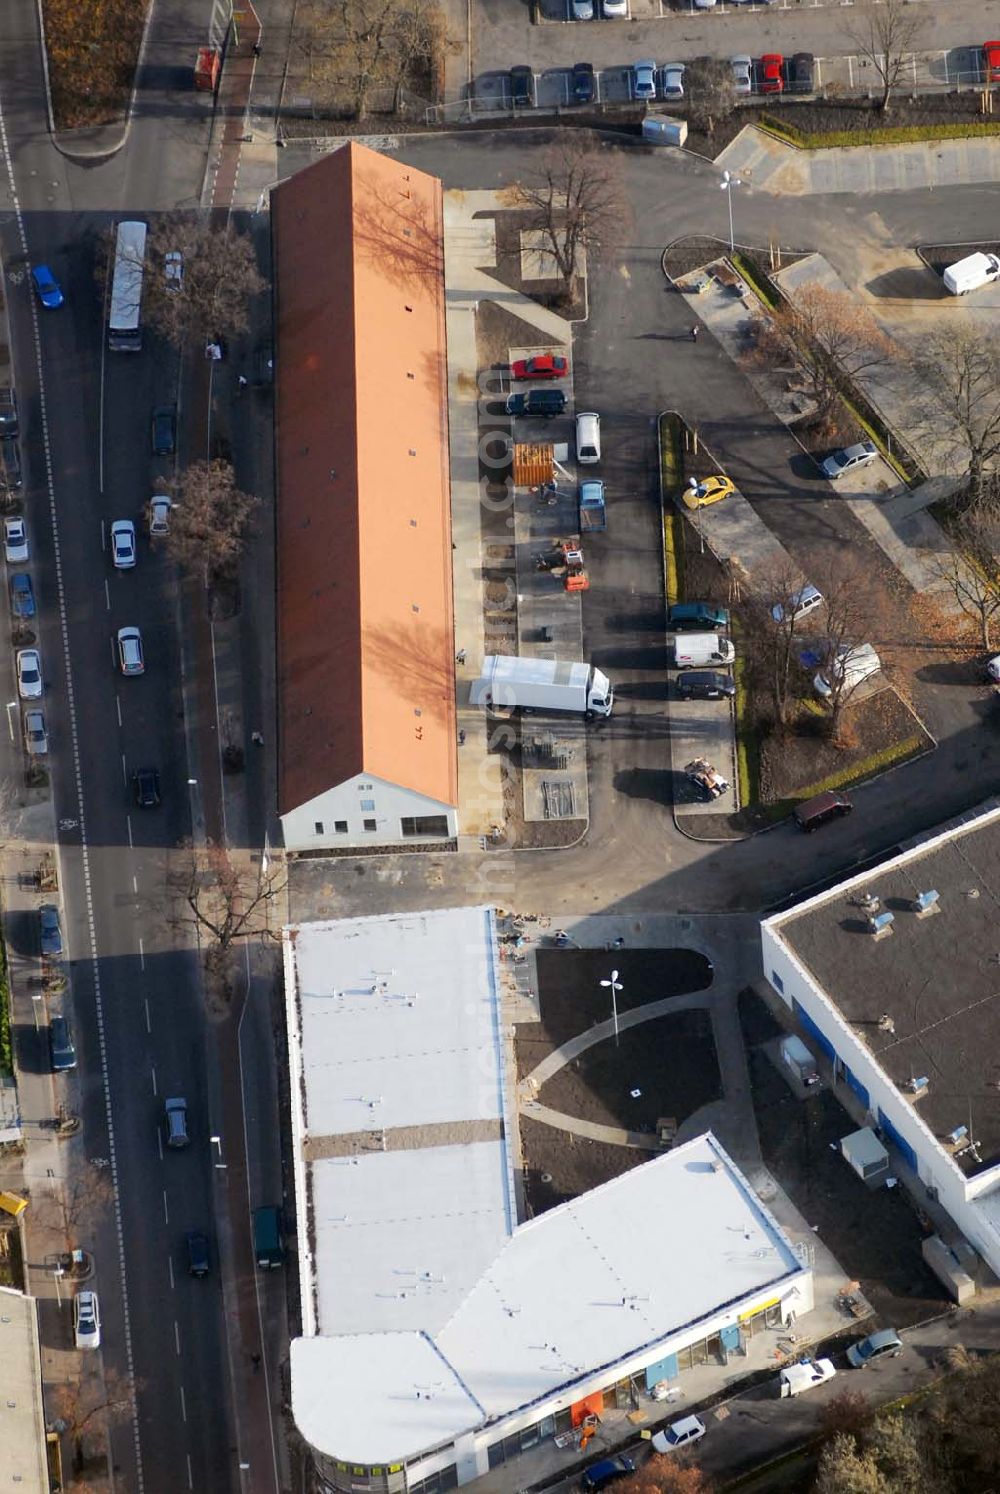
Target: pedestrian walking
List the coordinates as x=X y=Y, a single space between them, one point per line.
x=257 y=739
x=460 y=656
x=242 y=382
x=461 y=739
x=694 y=334
x=256 y=49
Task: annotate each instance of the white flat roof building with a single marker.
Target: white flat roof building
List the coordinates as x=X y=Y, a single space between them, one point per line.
x=22 y=1416
x=435 y=1326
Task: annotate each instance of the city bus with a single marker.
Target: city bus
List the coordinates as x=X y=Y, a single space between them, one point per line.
x=124 y=319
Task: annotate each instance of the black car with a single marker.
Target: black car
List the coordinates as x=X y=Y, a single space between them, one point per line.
x=705 y=684
x=164 y=430
x=544 y=403
x=800 y=72
x=522 y=85
x=146 y=787
x=10 y=463
x=583 y=83
x=197 y=1254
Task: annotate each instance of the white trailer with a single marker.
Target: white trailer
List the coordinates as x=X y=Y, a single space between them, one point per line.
x=507 y=680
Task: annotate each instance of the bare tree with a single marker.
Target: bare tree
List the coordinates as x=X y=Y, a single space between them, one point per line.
x=711 y=92
x=970 y=568
x=220 y=279
x=227 y=903
x=357 y=47
x=836 y=342
x=209 y=519
x=849 y=617
x=774 y=631
x=960 y=369
x=886 y=35
x=73 y=1201
x=90 y=1404
x=576 y=201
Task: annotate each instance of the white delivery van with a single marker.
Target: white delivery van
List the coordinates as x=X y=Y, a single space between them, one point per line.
x=588 y=437
x=970 y=273
x=795 y=1378
x=852 y=665
x=702 y=650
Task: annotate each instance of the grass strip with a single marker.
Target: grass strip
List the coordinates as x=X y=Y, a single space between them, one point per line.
x=748 y=739
x=848 y=777
x=888 y=135
x=671 y=478
x=6 y=1041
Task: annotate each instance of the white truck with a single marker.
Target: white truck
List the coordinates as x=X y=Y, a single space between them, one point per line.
x=970 y=273
x=507 y=680
x=702 y=651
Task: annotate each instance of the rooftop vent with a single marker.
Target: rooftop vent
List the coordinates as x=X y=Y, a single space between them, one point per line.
x=880 y=925
x=926 y=903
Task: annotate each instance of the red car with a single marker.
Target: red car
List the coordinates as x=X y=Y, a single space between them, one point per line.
x=542 y=366
x=991 y=61
x=772 y=73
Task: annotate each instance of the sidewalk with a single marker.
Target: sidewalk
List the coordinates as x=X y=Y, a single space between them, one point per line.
x=772 y=166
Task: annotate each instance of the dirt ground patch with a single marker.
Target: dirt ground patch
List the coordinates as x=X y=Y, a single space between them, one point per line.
x=820 y=116
x=560 y=1166
x=92 y=59
x=875 y=1236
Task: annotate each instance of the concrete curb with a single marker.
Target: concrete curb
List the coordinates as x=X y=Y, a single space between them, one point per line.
x=101 y=153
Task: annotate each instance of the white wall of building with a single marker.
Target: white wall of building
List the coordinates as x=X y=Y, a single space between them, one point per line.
x=353 y=805
x=793 y=983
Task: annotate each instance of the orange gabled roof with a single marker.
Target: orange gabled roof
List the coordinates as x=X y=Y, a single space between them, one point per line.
x=365 y=627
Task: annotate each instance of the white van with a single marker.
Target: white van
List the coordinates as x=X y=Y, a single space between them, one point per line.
x=795 y=1378
x=852 y=664
x=970 y=273
x=588 y=438
x=702 y=651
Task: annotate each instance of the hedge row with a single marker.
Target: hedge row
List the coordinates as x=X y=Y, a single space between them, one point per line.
x=889 y=135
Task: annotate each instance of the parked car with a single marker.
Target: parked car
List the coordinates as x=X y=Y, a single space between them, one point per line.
x=849 y=459
x=709 y=490
x=175 y=1119
x=644 y=81
x=36 y=738
x=159 y=514
x=706 y=778
x=614 y=10
x=798 y=605
x=538 y=403
x=164 y=430
x=607 y=1472
x=800 y=72
x=10 y=463
x=22 y=595
x=197 y=1254
x=679 y=1434
x=584 y=83
x=672 y=80
x=130 y=655
x=820 y=810
x=15 y=540
x=541 y=365
x=522 y=85
x=742 y=69
x=581 y=10
x=795 y=1378
x=62 y=1054
x=8 y=410
x=28 y=663
x=146 y=787
x=50 y=931
x=991 y=61
x=173 y=269
x=86 y=1320
x=705 y=684
x=886 y=1344
x=993 y=669
x=588 y=438
x=123 y=544
x=697 y=617
x=772 y=73
x=47 y=287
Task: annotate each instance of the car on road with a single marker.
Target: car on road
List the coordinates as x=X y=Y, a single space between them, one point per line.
x=47 y=287
x=644 y=81
x=62 y=1054
x=15 y=540
x=705 y=684
x=36 y=738
x=123 y=544
x=50 y=930
x=541 y=404
x=159 y=514
x=173 y=269
x=130 y=655
x=607 y=1472
x=163 y=430
x=584 y=83
x=86 y=1320
x=175 y=1121
x=991 y=61
x=742 y=70
x=522 y=85
x=197 y=1254
x=709 y=490
x=672 y=80
x=800 y=72
x=798 y=605
x=28 y=662
x=146 y=787
x=796 y=1378
x=849 y=459
x=772 y=73
x=886 y=1344
x=541 y=366
x=679 y=1434
x=22 y=595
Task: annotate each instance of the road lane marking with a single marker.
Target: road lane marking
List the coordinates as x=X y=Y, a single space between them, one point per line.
x=170 y=1269
x=118 y=705
x=149 y=1025
x=177 y=1331
x=166 y=1215
x=190 y=1479
x=128 y=826
x=107 y=594
x=142 y=966
x=152 y=1071
x=184 y=1409
x=135 y=885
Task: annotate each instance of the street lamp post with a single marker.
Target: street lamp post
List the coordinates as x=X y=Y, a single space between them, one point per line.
x=726 y=185
x=614 y=985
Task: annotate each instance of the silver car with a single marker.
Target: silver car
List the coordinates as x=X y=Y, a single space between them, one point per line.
x=15 y=540
x=36 y=738
x=742 y=69
x=849 y=459
x=29 y=674
x=672 y=80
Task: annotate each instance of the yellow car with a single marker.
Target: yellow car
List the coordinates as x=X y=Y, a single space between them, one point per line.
x=711 y=490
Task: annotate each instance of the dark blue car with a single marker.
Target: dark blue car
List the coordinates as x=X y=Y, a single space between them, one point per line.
x=22 y=595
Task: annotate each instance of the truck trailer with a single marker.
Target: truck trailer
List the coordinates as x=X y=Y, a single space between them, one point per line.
x=506 y=681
